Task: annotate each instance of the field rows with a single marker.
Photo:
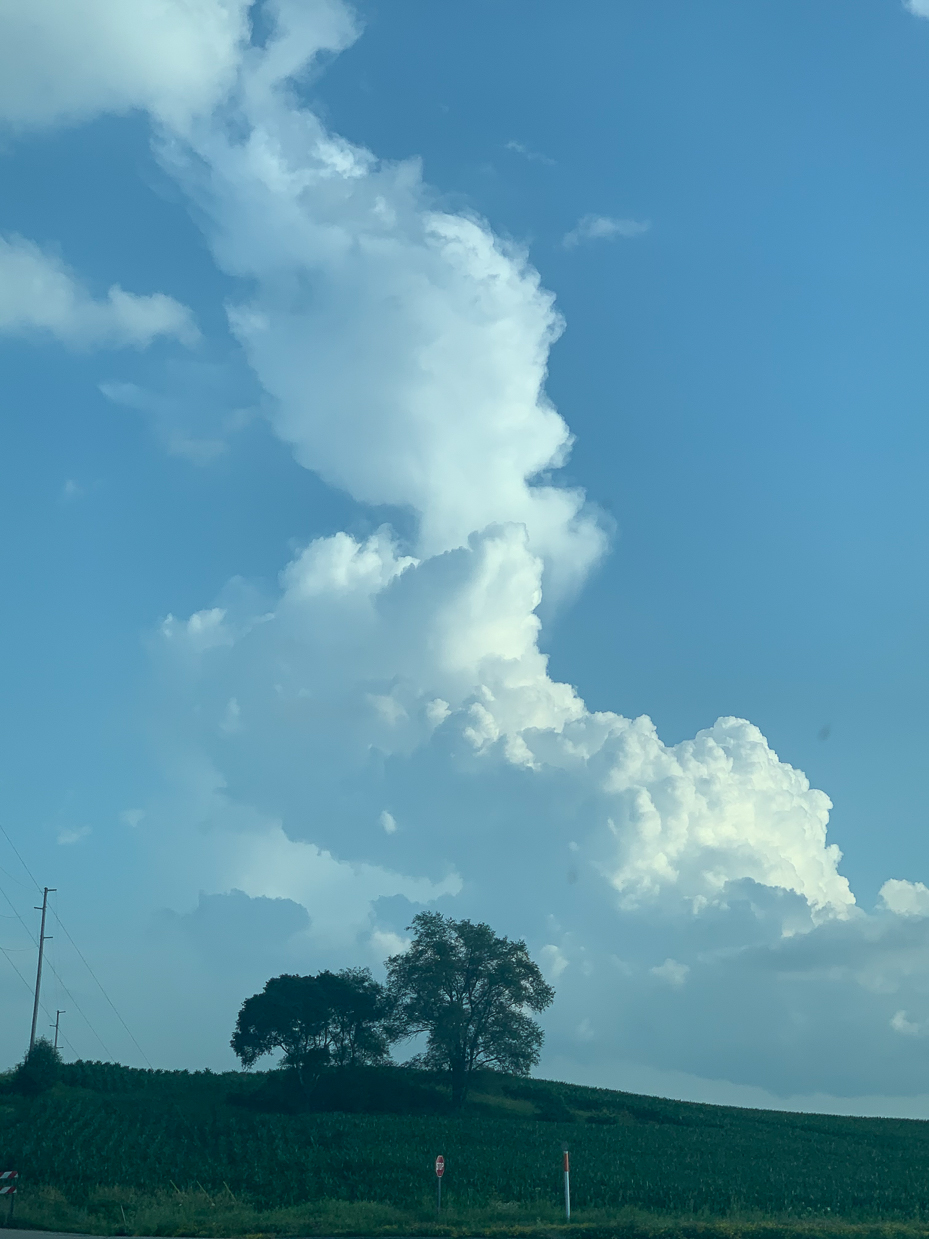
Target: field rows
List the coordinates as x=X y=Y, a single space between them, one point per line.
x=668 y=1161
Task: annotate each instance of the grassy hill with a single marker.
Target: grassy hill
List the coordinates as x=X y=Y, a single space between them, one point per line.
x=115 y=1150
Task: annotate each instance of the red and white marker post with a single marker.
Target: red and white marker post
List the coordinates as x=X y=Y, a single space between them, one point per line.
x=567 y=1184
x=8 y=1181
x=439 y=1171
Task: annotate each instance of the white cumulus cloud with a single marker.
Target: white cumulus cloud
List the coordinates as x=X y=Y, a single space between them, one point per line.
x=905 y=898
x=671 y=971
x=68 y=60
x=405 y=351
x=413 y=376
x=374 y=638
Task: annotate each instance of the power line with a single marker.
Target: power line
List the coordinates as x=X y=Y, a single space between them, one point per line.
x=109 y=1053
x=3 y=951
x=82 y=958
x=102 y=990
x=15 y=969
x=18 y=857
x=6 y=953
x=12 y=879
x=17 y=915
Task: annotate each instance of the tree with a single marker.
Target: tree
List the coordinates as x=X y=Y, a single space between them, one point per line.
x=332 y=1018
x=359 y=1013
x=39 y=1070
x=471 y=992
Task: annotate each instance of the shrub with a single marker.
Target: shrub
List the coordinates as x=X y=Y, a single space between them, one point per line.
x=39 y=1070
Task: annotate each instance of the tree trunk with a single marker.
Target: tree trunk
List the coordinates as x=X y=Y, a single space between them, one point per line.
x=309 y=1068
x=459 y=1084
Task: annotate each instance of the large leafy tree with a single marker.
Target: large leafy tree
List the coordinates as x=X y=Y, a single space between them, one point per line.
x=358 y=1030
x=336 y=1019
x=471 y=992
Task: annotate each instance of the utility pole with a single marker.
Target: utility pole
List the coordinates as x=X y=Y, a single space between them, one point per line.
x=58 y=1015
x=38 y=971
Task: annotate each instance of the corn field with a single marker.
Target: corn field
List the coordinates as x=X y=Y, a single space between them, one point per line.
x=109 y=1126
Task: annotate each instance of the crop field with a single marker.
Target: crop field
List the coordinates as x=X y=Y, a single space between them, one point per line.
x=111 y=1127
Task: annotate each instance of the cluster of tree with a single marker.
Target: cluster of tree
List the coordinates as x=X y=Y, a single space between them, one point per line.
x=333 y=1019
x=467 y=989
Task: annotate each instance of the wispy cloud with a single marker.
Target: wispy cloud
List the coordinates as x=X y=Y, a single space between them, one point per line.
x=533 y=156
x=919 y=8
x=603 y=228
x=67 y=837
x=197 y=410
x=899 y=1023
x=38 y=293
x=71 y=491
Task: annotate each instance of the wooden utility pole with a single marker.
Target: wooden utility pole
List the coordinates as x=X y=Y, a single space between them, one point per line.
x=58 y=1015
x=38 y=971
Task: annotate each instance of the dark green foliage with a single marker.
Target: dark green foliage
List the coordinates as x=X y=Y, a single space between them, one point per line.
x=358 y=1016
x=469 y=990
x=39 y=1070
x=368 y=1090
x=336 y=1019
x=104 y=1125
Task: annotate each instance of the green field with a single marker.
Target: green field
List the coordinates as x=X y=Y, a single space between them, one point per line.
x=121 y=1150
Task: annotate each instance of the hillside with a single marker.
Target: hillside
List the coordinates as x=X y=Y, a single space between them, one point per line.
x=109 y=1142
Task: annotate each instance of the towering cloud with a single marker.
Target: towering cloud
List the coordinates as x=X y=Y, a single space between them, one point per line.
x=405 y=347
x=383 y=731
x=406 y=352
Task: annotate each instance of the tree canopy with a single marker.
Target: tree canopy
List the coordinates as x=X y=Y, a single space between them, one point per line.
x=470 y=991
x=331 y=1019
x=39 y=1070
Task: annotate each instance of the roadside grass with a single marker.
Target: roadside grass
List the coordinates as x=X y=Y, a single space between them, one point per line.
x=198 y=1213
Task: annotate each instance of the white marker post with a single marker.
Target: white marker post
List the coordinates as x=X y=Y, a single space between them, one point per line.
x=439 y=1171
x=567 y=1184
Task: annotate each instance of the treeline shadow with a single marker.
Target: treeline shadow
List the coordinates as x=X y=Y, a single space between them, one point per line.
x=348 y=1090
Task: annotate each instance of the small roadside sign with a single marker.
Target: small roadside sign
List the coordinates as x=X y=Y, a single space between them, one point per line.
x=439 y=1171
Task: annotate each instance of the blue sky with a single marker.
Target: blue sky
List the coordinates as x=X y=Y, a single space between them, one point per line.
x=293 y=403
